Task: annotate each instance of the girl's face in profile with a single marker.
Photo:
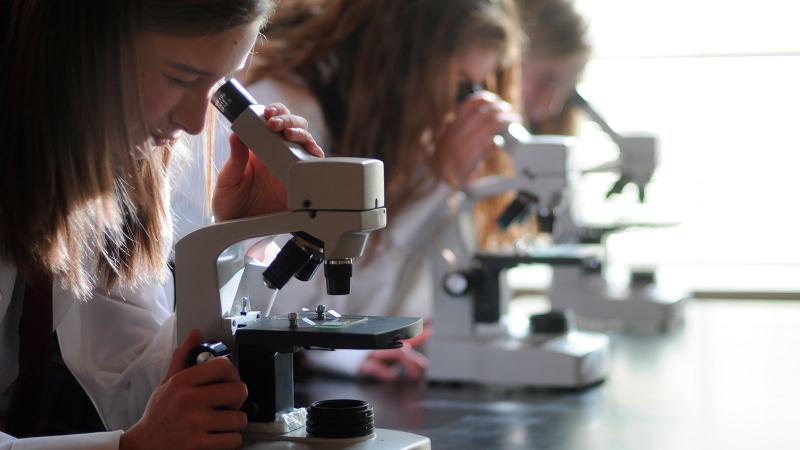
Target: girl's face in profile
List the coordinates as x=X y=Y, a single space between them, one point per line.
x=476 y=63
x=547 y=84
x=178 y=74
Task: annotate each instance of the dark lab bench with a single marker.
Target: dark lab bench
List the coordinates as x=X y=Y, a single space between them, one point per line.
x=728 y=379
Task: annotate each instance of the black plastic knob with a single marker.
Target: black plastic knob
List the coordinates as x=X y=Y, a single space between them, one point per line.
x=643 y=278
x=206 y=351
x=457 y=283
x=553 y=322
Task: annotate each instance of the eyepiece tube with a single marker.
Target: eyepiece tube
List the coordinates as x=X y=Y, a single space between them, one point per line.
x=231 y=99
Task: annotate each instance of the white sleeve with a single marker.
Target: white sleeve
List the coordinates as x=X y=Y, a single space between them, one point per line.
x=91 y=441
x=118 y=347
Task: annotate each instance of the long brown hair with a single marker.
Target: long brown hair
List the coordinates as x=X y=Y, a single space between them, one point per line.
x=554 y=30
x=385 y=74
x=75 y=199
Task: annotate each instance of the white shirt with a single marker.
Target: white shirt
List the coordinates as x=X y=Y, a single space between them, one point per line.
x=89 y=441
x=117 y=346
x=10 y=313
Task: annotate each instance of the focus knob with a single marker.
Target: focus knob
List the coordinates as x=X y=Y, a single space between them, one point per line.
x=457 y=283
x=206 y=351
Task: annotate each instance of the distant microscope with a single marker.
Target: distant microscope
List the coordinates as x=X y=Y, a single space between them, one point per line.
x=471 y=340
x=639 y=304
x=334 y=203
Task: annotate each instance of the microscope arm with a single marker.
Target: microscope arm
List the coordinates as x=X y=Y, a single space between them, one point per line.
x=638 y=153
x=197 y=253
x=581 y=102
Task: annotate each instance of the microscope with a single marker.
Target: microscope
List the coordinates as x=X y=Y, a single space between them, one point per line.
x=333 y=205
x=639 y=302
x=471 y=341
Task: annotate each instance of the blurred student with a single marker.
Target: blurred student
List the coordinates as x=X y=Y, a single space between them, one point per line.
x=381 y=79
x=555 y=54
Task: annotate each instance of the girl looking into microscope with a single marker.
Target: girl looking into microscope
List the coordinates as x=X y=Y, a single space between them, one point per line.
x=85 y=211
x=555 y=54
x=380 y=79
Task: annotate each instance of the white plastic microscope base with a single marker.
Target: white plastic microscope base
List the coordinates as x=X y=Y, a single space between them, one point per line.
x=382 y=439
x=636 y=310
x=603 y=305
x=573 y=360
x=632 y=314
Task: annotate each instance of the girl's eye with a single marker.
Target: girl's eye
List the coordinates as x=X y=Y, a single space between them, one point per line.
x=178 y=81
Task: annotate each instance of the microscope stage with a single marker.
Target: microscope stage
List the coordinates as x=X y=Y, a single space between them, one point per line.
x=346 y=332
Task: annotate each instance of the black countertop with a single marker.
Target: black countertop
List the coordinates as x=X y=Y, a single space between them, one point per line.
x=728 y=379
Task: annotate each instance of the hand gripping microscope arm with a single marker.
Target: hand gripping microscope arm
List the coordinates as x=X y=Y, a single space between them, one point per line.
x=471 y=341
x=333 y=205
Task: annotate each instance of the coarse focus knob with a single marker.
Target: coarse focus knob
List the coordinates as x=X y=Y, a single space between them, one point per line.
x=457 y=283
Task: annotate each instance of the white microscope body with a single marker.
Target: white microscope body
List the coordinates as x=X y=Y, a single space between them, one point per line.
x=471 y=341
x=640 y=303
x=333 y=205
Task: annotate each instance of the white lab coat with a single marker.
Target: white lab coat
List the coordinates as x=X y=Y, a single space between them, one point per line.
x=10 y=312
x=118 y=346
x=397 y=281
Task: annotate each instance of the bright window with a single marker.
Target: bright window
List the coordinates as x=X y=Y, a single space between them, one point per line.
x=719 y=82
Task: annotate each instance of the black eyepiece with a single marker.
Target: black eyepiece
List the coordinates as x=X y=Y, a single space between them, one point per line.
x=465 y=89
x=231 y=99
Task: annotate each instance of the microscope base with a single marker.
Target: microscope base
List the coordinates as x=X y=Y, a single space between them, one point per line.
x=602 y=304
x=382 y=439
x=573 y=360
x=638 y=311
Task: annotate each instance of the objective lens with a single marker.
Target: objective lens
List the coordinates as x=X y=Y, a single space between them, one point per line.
x=517 y=211
x=310 y=268
x=337 y=276
x=291 y=259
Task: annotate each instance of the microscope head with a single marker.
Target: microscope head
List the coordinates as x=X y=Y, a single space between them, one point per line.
x=541 y=175
x=638 y=153
x=638 y=160
x=317 y=188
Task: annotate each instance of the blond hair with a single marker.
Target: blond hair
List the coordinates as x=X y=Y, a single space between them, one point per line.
x=82 y=196
x=385 y=73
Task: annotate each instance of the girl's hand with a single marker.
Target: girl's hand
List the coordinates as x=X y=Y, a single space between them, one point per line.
x=394 y=364
x=245 y=187
x=470 y=136
x=193 y=408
